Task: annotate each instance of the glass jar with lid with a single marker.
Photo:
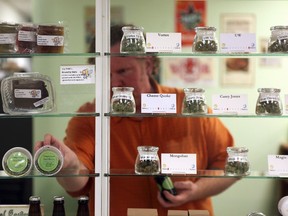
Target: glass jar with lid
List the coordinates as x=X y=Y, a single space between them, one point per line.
x=269 y=102
x=194 y=101
x=123 y=100
x=205 y=40
x=278 y=41
x=237 y=163
x=133 y=40
x=147 y=160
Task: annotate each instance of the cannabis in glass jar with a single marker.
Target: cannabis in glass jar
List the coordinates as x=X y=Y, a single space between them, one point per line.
x=123 y=101
x=278 y=41
x=237 y=163
x=194 y=101
x=205 y=40
x=269 y=102
x=147 y=160
x=133 y=40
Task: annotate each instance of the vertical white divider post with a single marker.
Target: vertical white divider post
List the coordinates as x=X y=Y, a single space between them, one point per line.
x=102 y=133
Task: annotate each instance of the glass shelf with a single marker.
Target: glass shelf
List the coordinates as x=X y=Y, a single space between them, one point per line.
x=200 y=174
x=190 y=54
x=35 y=173
x=51 y=114
x=20 y=55
x=228 y=115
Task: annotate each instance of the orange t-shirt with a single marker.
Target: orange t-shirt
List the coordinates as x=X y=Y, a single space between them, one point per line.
x=208 y=138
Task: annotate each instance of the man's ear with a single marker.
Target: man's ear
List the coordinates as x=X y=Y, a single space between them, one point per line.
x=149 y=65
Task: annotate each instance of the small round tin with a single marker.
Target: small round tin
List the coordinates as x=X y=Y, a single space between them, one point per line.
x=17 y=162
x=48 y=160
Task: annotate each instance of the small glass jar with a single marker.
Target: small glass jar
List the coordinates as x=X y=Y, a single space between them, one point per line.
x=50 y=39
x=278 y=41
x=237 y=163
x=8 y=32
x=205 y=40
x=26 y=38
x=123 y=100
x=269 y=102
x=133 y=40
x=17 y=162
x=283 y=206
x=147 y=161
x=194 y=101
x=48 y=160
x=27 y=93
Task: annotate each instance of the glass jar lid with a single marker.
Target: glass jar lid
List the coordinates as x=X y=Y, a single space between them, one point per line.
x=269 y=90
x=194 y=90
x=205 y=28
x=237 y=149
x=279 y=27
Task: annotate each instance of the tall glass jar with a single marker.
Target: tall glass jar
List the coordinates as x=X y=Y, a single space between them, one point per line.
x=123 y=100
x=194 y=101
x=133 y=40
x=147 y=161
x=205 y=40
x=269 y=102
x=237 y=162
x=278 y=41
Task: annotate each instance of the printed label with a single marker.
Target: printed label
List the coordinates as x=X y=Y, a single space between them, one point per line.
x=50 y=40
x=8 y=38
x=27 y=93
x=26 y=36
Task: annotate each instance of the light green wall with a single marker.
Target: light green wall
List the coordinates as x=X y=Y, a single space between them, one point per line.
x=261 y=136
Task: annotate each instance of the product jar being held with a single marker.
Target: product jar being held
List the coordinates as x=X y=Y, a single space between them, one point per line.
x=269 y=102
x=194 y=101
x=147 y=160
x=205 y=40
x=237 y=163
x=48 y=160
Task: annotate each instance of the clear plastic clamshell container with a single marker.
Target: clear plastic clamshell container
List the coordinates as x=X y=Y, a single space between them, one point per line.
x=27 y=93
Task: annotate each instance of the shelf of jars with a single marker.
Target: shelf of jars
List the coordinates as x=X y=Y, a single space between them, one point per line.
x=230 y=115
x=51 y=114
x=24 y=55
x=35 y=173
x=195 y=55
x=200 y=174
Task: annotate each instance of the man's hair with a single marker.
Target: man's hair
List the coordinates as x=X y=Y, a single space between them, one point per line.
x=116 y=34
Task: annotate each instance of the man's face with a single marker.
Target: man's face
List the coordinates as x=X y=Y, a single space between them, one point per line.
x=130 y=72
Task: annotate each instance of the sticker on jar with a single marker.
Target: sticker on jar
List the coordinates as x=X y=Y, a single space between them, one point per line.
x=122 y=96
x=50 y=40
x=27 y=93
x=28 y=36
x=41 y=102
x=8 y=38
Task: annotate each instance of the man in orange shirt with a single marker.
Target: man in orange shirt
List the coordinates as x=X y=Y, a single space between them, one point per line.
x=206 y=137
